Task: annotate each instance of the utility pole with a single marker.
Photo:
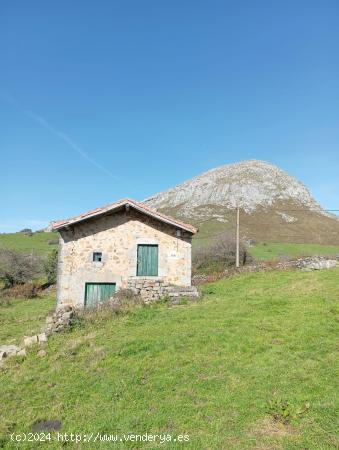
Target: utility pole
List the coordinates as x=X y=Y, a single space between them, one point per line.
x=237 y=256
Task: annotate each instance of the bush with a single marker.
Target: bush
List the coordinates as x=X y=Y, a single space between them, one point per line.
x=221 y=253
x=51 y=267
x=27 y=290
x=18 y=268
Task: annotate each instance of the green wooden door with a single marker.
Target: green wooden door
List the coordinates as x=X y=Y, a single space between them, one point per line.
x=96 y=293
x=147 y=264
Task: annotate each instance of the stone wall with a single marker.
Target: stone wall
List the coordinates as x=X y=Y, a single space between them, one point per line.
x=305 y=264
x=316 y=263
x=151 y=290
x=117 y=237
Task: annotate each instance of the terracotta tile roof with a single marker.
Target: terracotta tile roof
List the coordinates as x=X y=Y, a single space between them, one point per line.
x=139 y=206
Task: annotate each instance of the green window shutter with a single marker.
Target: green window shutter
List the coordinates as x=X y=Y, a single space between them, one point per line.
x=96 y=293
x=147 y=264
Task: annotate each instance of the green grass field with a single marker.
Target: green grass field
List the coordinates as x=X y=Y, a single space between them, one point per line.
x=279 y=250
x=250 y=366
x=38 y=242
x=23 y=317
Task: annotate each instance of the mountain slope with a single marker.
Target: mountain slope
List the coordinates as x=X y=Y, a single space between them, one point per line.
x=274 y=205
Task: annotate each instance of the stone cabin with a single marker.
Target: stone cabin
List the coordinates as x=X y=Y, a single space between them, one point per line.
x=125 y=245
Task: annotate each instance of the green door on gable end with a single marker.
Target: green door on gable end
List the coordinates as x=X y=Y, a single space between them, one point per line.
x=147 y=264
x=96 y=293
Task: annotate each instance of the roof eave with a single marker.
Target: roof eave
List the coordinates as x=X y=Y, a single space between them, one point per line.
x=66 y=224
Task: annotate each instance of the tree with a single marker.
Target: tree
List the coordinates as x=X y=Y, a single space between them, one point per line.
x=50 y=266
x=17 y=267
x=222 y=251
x=26 y=231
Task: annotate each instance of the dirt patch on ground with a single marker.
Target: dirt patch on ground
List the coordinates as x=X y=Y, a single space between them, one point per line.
x=269 y=434
x=270 y=427
x=46 y=425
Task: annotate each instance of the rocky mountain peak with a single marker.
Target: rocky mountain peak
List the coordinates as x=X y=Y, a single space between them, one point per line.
x=274 y=206
x=247 y=184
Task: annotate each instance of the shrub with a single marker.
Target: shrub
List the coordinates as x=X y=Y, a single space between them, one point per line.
x=50 y=267
x=27 y=290
x=18 y=268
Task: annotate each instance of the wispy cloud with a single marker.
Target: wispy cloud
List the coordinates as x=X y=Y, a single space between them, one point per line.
x=58 y=134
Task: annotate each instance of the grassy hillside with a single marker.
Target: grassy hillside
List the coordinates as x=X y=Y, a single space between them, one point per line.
x=279 y=250
x=250 y=366
x=23 y=317
x=284 y=221
x=38 y=242
x=263 y=225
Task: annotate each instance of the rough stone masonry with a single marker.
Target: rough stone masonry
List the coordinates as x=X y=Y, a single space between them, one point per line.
x=151 y=290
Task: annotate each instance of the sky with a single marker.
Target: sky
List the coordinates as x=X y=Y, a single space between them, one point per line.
x=101 y=100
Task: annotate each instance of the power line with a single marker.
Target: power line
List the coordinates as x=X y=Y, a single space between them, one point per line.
x=308 y=210
x=273 y=210
x=282 y=210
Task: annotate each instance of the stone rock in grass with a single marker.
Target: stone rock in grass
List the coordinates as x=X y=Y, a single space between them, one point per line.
x=41 y=353
x=30 y=340
x=7 y=351
x=22 y=352
x=42 y=338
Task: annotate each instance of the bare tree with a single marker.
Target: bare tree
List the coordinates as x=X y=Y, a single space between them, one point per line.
x=222 y=250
